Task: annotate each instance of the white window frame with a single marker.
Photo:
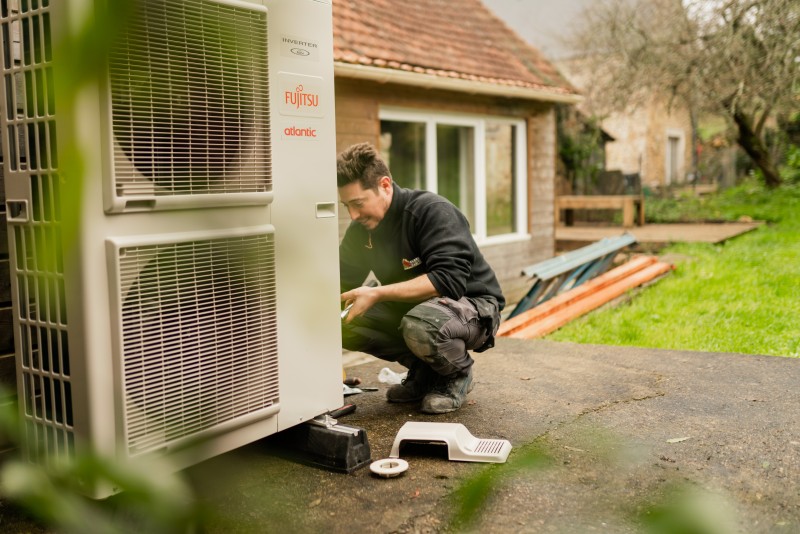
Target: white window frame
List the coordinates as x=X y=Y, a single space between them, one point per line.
x=478 y=123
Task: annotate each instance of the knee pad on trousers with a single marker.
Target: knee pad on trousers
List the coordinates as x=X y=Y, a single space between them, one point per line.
x=419 y=335
x=426 y=342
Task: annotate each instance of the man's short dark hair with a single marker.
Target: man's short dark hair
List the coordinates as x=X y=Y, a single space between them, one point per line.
x=360 y=163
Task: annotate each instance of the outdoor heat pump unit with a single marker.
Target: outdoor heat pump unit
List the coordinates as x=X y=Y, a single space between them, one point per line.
x=177 y=295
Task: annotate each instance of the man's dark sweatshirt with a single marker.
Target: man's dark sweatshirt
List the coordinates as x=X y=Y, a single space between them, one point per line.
x=421 y=233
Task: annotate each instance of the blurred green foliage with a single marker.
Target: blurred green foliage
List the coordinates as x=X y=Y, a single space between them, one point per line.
x=470 y=498
x=687 y=509
x=790 y=171
x=748 y=200
x=152 y=498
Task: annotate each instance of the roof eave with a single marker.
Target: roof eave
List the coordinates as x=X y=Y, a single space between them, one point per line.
x=430 y=81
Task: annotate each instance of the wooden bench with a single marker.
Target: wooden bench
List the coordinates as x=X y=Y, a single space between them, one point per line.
x=627 y=203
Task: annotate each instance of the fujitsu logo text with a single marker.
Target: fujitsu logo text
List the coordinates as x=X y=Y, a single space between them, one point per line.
x=298 y=98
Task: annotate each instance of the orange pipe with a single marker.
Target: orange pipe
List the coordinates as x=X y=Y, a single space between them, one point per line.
x=590 y=302
x=568 y=297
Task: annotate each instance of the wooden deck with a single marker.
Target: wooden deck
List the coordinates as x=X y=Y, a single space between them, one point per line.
x=654 y=234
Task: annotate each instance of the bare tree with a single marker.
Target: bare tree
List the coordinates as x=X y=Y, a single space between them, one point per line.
x=739 y=59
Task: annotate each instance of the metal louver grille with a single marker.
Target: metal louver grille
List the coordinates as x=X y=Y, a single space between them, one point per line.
x=199 y=336
x=29 y=127
x=190 y=108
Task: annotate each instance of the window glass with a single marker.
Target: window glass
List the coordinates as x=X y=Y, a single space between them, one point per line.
x=472 y=161
x=500 y=178
x=402 y=146
x=455 y=167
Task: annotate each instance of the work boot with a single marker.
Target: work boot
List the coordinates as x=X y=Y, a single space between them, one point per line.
x=417 y=383
x=449 y=393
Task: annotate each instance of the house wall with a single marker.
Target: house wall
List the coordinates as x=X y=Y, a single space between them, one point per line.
x=641 y=140
x=358 y=105
x=666 y=121
x=629 y=151
x=640 y=133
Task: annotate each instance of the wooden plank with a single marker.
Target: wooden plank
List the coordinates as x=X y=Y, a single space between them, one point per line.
x=594 y=202
x=591 y=302
x=659 y=234
x=629 y=204
x=511 y=326
x=627 y=213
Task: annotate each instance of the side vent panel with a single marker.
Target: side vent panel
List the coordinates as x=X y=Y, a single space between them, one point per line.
x=44 y=370
x=198 y=334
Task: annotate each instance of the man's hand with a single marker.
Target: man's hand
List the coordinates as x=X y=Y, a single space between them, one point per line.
x=364 y=297
x=360 y=300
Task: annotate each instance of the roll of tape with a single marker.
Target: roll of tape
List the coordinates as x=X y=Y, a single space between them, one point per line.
x=388 y=467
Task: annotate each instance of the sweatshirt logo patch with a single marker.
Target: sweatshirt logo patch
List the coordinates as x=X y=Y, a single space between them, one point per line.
x=416 y=262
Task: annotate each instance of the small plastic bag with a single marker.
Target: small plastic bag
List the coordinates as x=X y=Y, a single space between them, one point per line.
x=387 y=376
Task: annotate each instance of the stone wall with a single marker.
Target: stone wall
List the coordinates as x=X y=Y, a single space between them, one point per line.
x=641 y=141
x=640 y=132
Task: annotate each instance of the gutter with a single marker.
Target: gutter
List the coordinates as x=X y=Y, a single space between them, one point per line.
x=430 y=81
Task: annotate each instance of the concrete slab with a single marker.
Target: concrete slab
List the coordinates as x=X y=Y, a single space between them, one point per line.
x=598 y=435
x=654 y=234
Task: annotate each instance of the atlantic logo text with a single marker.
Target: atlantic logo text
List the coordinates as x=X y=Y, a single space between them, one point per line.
x=294 y=131
x=300 y=99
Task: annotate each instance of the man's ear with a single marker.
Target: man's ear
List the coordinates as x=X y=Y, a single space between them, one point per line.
x=385 y=182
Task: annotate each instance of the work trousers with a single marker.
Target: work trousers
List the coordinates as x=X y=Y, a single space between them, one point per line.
x=438 y=331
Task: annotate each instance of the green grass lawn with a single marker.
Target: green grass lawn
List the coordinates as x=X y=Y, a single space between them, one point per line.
x=740 y=296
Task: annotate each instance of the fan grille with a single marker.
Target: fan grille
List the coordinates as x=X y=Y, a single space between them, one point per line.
x=199 y=336
x=190 y=107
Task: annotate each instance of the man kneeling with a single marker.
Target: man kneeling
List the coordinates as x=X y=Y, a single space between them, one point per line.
x=438 y=297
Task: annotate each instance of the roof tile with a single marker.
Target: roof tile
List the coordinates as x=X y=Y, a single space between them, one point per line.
x=448 y=38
